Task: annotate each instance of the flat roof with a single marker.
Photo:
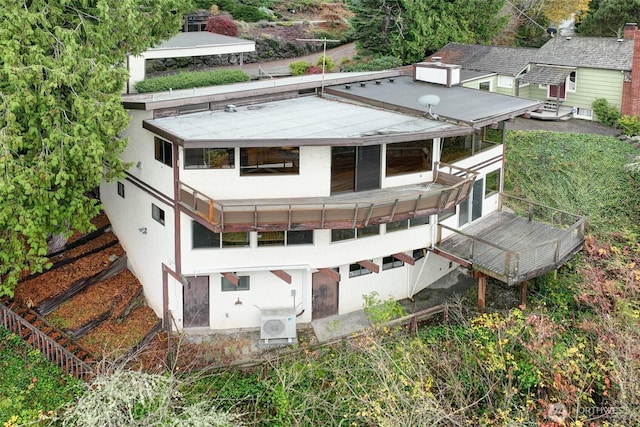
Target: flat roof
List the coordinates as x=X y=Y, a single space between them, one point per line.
x=198 y=43
x=199 y=39
x=465 y=105
x=306 y=120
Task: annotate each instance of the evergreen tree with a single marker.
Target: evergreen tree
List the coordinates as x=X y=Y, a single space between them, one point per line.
x=412 y=29
x=62 y=70
x=606 y=18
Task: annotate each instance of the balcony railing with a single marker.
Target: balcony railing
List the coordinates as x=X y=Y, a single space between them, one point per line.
x=451 y=186
x=518 y=242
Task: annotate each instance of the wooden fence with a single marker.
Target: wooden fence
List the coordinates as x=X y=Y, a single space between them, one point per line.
x=49 y=348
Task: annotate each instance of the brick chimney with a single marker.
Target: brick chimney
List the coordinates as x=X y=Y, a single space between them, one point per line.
x=629 y=30
x=631 y=85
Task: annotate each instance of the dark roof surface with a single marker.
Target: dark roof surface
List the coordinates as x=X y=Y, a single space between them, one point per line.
x=457 y=103
x=590 y=52
x=498 y=59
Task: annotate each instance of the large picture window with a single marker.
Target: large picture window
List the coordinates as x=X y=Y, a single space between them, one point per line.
x=455 y=148
x=209 y=158
x=269 y=160
x=408 y=157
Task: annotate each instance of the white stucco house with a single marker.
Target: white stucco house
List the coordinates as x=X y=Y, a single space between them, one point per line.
x=290 y=199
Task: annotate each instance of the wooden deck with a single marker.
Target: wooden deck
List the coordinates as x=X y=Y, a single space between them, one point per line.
x=514 y=248
x=342 y=211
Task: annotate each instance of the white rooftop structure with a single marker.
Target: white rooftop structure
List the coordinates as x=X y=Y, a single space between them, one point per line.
x=200 y=43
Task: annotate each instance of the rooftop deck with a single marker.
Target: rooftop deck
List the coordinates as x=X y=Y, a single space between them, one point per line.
x=341 y=211
x=514 y=248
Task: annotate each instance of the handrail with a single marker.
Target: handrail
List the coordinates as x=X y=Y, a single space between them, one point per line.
x=450 y=186
x=529 y=202
x=510 y=255
x=53 y=351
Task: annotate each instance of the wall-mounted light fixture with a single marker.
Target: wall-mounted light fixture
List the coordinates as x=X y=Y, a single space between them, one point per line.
x=139 y=164
x=142 y=230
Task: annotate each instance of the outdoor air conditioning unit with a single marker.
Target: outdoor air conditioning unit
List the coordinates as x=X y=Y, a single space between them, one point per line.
x=278 y=326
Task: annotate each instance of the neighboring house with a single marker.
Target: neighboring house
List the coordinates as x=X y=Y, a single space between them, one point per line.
x=490 y=68
x=287 y=200
x=569 y=73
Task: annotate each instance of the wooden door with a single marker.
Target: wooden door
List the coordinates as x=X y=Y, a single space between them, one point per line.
x=557 y=92
x=195 y=302
x=324 y=295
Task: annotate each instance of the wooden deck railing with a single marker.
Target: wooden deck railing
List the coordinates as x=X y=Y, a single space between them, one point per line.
x=49 y=348
x=535 y=257
x=447 y=190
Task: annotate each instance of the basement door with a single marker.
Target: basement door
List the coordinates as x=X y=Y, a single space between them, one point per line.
x=195 y=302
x=324 y=296
x=355 y=168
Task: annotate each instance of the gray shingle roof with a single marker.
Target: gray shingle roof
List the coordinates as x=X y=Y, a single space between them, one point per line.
x=589 y=52
x=498 y=59
x=546 y=74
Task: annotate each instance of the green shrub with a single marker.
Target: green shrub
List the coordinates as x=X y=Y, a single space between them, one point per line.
x=380 y=311
x=299 y=68
x=328 y=63
x=629 y=125
x=607 y=114
x=373 y=64
x=186 y=80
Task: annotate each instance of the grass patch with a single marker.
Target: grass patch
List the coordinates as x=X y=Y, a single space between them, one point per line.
x=30 y=386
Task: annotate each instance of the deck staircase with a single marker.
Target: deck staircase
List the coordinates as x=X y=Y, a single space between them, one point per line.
x=87 y=309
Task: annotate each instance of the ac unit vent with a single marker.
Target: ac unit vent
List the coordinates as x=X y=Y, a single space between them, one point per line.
x=278 y=326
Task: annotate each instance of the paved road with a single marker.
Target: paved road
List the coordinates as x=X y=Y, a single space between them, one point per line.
x=280 y=67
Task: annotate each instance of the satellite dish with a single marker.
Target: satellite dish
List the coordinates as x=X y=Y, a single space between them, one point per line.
x=429 y=100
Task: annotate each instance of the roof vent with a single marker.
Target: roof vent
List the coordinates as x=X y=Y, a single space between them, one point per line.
x=230 y=108
x=436 y=59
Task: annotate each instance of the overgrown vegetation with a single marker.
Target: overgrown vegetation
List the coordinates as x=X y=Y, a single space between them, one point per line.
x=133 y=398
x=583 y=174
x=30 y=387
x=187 y=80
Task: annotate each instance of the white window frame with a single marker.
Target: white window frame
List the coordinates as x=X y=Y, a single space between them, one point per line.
x=569 y=85
x=505 y=81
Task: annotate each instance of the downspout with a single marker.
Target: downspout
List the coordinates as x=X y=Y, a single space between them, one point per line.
x=432 y=220
x=176 y=210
